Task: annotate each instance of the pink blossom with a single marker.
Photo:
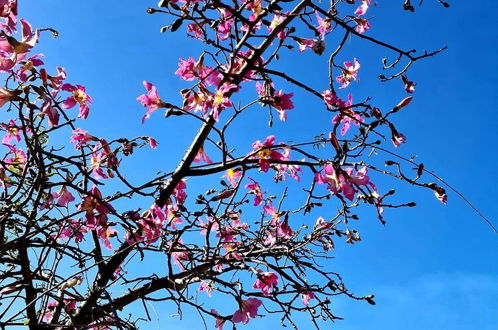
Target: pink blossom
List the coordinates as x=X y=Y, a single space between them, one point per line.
x=206 y=287
x=362 y=25
x=256 y=190
x=81 y=137
x=152 y=142
x=28 y=41
x=266 y=281
x=51 y=112
x=278 y=100
x=347 y=116
x=317 y=46
x=8 y=62
x=8 y=11
x=49 y=311
x=104 y=233
x=72 y=228
x=398 y=139
x=5 y=96
x=151 y=100
x=248 y=309
x=349 y=72
x=79 y=97
x=219 y=321
x=18 y=156
x=202 y=156
x=282 y=170
x=306 y=297
x=322 y=224
x=190 y=69
x=179 y=192
x=12 y=132
x=232 y=176
x=331 y=99
x=276 y=21
x=362 y=9
x=264 y=152
x=221 y=99
x=195 y=29
x=223 y=29
x=32 y=62
x=179 y=258
x=63 y=196
x=324 y=26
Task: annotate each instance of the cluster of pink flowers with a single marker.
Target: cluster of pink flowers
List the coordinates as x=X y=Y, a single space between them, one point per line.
x=96 y=215
x=362 y=25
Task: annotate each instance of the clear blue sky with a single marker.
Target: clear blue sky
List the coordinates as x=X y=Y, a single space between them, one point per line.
x=430 y=267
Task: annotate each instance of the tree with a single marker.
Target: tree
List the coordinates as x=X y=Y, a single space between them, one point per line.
x=69 y=234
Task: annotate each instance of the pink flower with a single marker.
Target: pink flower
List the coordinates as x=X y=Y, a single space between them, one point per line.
x=32 y=62
x=266 y=281
x=79 y=97
x=349 y=72
x=8 y=11
x=362 y=9
x=221 y=99
x=347 y=116
x=343 y=181
x=306 y=297
x=223 y=29
x=248 y=309
x=179 y=192
x=152 y=142
x=202 y=156
x=398 y=139
x=219 y=321
x=277 y=19
x=409 y=85
x=206 y=287
x=51 y=112
x=81 y=137
x=195 y=29
x=12 y=132
x=332 y=100
x=190 y=69
x=63 y=196
x=278 y=100
x=256 y=190
x=324 y=26
x=264 y=152
x=317 y=46
x=151 y=100
x=233 y=175
x=362 y=25
x=5 y=96
x=49 y=311
x=29 y=39
x=72 y=228
x=104 y=233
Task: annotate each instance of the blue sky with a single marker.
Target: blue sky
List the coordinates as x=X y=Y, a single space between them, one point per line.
x=430 y=267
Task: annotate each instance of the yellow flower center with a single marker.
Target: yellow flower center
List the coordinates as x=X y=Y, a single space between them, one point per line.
x=79 y=96
x=265 y=153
